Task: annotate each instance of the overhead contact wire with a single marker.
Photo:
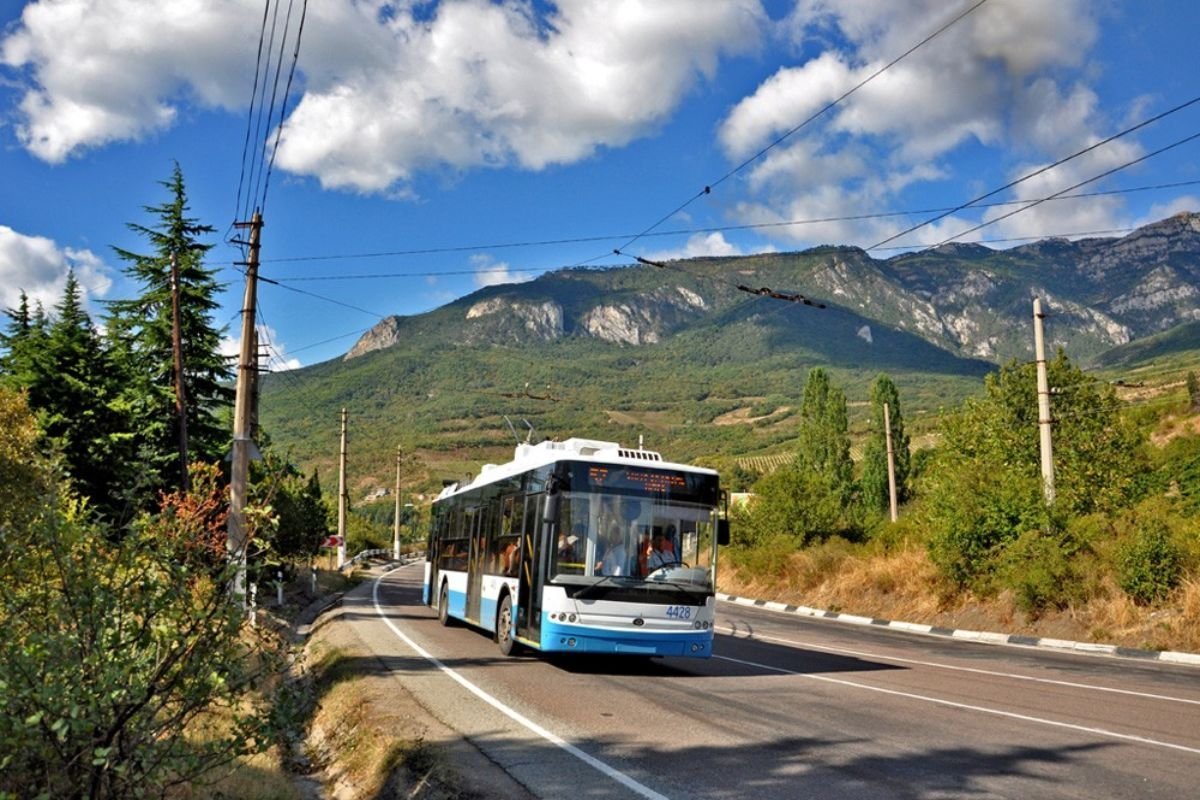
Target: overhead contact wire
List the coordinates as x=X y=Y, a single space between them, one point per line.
x=1037 y=172
x=792 y=131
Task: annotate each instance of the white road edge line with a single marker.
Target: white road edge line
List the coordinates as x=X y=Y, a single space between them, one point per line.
x=954 y=667
x=966 y=707
x=516 y=716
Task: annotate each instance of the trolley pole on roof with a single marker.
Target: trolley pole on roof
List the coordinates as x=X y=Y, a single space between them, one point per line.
x=237 y=538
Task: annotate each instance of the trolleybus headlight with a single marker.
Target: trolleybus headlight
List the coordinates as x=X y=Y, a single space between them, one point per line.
x=571 y=618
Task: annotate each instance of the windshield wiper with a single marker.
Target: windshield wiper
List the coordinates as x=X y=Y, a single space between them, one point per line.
x=603 y=580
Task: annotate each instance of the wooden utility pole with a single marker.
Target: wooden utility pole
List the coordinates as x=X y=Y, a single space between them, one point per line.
x=1043 y=396
x=177 y=354
x=341 y=552
x=242 y=443
x=254 y=375
x=396 y=530
x=891 y=458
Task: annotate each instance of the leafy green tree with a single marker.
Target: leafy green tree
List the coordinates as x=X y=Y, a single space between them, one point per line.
x=810 y=498
x=824 y=440
x=114 y=650
x=144 y=325
x=984 y=486
x=1193 y=391
x=874 y=478
x=795 y=503
x=26 y=480
x=296 y=518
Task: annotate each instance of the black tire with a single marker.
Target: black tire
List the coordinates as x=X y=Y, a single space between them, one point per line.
x=504 y=627
x=444 y=608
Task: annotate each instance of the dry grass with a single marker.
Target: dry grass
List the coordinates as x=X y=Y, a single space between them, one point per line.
x=362 y=736
x=903 y=585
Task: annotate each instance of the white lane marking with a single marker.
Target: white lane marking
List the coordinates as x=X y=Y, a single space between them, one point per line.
x=967 y=707
x=956 y=668
x=591 y=761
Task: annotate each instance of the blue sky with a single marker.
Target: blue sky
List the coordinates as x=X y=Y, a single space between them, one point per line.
x=461 y=126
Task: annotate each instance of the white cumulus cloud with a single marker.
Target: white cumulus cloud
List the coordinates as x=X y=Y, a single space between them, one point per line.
x=38 y=266
x=699 y=245
x=387 y=89
x=490 y=272
x=1008 y=78
x=273 y=355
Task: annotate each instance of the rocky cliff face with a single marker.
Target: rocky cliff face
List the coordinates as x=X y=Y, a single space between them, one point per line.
x=967 y=299
x=502 y=320
x=385 y=334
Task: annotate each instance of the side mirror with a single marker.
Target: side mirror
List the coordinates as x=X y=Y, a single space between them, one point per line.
x=722 y=531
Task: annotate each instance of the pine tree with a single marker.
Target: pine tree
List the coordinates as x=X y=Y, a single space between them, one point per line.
x=70 y=385
x=23 y=344
x=144 y=324
x=874 y=480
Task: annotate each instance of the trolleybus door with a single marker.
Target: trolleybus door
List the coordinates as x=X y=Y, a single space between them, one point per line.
x=475 y=563
x=433 y=551
x=529 y=592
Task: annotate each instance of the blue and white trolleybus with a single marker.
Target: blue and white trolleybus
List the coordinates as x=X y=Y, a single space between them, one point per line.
x=581 y=546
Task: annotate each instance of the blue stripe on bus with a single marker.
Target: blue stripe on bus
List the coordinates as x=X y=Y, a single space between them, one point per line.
x=575 y=639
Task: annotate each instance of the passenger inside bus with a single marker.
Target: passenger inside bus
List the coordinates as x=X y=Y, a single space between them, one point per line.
x=661 y=554
x=569 y=559
x=615 y=560
x=644 y=549
x=508 y=558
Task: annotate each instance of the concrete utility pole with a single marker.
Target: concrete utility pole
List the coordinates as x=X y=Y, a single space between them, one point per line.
x=341 y=554
x=1043 y=392
x=242 y=443
x=891 y=458
x=177 y=354
x=396 y=530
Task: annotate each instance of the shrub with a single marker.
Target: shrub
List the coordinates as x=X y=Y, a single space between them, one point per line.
x=1047 y=570
x=975 y=515
x=1150 y=564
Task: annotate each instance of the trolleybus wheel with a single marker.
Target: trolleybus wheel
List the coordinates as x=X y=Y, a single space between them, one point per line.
x=504 y=627
x=444 y=607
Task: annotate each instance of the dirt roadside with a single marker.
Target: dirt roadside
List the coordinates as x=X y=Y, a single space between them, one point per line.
x=369 y=737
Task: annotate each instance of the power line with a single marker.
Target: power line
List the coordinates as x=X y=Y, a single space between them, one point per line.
x=256 y=163
x=531 y=270
x=286 y=92
x=1093 y=179
x=1040 y=171
x=237 y=209
x=322 y=297
x=789 y=133
x=710 y=229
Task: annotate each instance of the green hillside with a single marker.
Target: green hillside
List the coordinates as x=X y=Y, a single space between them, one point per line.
x=447 y=401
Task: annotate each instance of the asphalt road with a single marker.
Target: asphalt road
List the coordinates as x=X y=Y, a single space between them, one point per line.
x=790 y=707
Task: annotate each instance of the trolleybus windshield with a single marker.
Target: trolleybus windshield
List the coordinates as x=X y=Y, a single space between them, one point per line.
x=636 y=525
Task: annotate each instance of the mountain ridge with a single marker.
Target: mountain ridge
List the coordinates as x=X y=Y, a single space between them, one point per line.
x=968 y=299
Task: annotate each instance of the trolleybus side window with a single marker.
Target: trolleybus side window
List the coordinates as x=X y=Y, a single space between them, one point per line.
x=453 y=555
x=504 y=545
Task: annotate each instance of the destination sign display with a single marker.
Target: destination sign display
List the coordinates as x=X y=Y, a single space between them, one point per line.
x=643 y=481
